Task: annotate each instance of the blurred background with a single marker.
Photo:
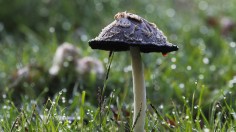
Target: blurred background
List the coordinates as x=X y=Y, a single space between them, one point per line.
x=44 y=49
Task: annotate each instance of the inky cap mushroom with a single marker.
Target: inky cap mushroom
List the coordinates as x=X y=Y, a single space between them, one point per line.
x=132 y=30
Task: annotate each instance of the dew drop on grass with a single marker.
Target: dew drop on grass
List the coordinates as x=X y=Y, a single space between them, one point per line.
x=197 y=120
x=4 y=96
x=3 y=74
x=66 y=25
x=161 y=106
x=195 y=107
x=64 y=90
x=205 y=60
x=201 y=77
x=33 y=102
x=84 y=37
x=212 y=68
x=186 y=117
x=128 y=68
x=4 y=107
x=170 y=12
x=203 y=30
x=8 y=115
x=78 y=118
x=159 y=61
x=203 y=5
x=35 y=49
x=232 y=44
x=181 y=85
x=195 y=82
x=173 y=59
x=173 y=66
x=51 y=29
x=105 y=60
x=63 y=99
x=233 y=114
x=206 y=130
x=70 y=101
x=112 y=95
x=66 y=64
x=189 y=68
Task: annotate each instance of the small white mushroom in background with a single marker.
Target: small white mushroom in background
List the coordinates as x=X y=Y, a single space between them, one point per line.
x=27 y=82
x=90 y=65
x=68 y=55
x=28 y=73
x=227 y=25
x=65 y=53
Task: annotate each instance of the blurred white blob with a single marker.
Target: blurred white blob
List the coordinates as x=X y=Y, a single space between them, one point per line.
x=232 y=82
x=88 y=65
x=23 y=72
x=68 y=55
x=232 y=44
x=64 y=53
x=203 y=5
x=205 y=60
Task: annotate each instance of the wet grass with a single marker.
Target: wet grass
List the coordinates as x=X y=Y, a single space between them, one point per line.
x=192 y=89
x=54 y=115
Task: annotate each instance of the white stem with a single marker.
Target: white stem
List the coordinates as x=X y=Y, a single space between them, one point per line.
x=138 y=89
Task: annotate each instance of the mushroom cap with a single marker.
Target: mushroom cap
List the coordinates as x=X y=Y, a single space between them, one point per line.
x=132 y=30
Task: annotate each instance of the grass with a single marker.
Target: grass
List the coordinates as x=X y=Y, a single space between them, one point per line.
x=54 y=116
x=189 y=90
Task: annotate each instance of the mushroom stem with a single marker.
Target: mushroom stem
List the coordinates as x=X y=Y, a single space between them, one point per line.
x=138 y=89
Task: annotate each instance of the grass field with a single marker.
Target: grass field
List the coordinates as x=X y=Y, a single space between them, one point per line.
x=192 y=89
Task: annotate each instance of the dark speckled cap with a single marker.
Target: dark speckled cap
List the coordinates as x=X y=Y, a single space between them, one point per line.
x=132 y=30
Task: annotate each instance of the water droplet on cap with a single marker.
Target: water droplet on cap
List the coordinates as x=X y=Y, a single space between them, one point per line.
x=164 y=54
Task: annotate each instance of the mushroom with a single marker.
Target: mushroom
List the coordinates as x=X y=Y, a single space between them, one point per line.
x=130 y=32
x=65 y=53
